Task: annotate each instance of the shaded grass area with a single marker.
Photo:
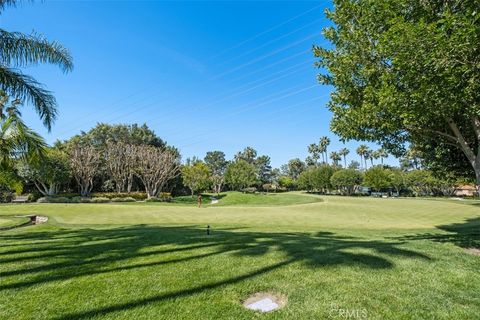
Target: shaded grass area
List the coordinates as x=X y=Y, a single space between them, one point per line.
x=166 y=271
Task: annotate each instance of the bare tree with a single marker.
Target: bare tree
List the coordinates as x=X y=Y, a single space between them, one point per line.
x=155 y=167
x=84 y=162
x=118 y=159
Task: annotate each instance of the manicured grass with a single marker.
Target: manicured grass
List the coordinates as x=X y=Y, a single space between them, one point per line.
x=10 y=222
x=386 y=258
x=248 y=199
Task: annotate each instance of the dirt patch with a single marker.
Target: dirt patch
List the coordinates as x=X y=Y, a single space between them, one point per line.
x=265 y=301
x=474 y=251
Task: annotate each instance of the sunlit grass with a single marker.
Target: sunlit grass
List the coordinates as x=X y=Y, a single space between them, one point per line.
x=390 y=258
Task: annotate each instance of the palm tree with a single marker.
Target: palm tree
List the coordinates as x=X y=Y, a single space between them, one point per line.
x=17 y=140
x=368 y=156
x=324 y=142
x=344 y=152
x=336 y=157
x=313 y=149
x=382 y=154
x=362 y=151
x=18 y=50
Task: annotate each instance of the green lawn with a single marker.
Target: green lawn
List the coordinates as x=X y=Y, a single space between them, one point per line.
x=7 y=222
x=330 y=256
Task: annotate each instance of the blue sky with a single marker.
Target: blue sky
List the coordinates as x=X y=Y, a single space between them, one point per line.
x=204 y=75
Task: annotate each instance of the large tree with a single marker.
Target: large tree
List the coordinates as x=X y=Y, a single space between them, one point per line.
x=406 y=71
x=240 y=174
x=49 y=174
x=215 y=160
x=196 y=176
x=155 y=167
x=84 y=162
x=18 y=50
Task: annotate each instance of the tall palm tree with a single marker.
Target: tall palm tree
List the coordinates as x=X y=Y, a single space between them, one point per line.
x=382 y=154
x=336 y=157
x=17 y=140
x=362 y=151
x=324 y=142
x=344 y=152
x=313 y=149
x=18 y=50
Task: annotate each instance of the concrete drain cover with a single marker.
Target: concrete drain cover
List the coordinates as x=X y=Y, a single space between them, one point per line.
x=264 y=302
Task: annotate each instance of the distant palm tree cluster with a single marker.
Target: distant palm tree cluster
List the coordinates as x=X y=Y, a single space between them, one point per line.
x=320 y=150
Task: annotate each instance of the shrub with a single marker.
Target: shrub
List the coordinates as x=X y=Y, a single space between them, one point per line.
x=79 y=199
x=127 y=199
x=155 y=199
x=67 y=195
x=100 y=200
x=54 y=200
x=165 y=196
x=110 y=195
x=249 y=190
x=6 y=196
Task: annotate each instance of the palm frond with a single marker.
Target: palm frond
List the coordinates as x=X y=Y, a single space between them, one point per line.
x=7 y=3
x=20 y=50
x=28 y=89
x=18 y=141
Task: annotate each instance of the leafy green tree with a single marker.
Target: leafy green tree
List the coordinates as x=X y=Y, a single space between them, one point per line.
x=397 y=179
x=240 y=174
x=10 y=183
x=264 y=169
x=215 y=160
x=346 y=180
x=18 y=50
x=354 y=165
x=104 y=133
x=316 y=178
x=197 y=177
x=49 y=174
x=421 y=182
x=377 y=178
x=294 y=168
x=406 y=72
x=286 y=182
x=248 y=154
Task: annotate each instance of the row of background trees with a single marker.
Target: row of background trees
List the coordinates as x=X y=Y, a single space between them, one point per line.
x=125 y=159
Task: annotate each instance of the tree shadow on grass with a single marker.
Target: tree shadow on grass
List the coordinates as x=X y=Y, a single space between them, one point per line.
x=73 y=253
x=465 y=234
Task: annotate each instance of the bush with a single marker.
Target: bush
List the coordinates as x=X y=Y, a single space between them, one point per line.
x=100 y=200
x=155 y=199
x=249 y=190
x=6 y=196
x=165 y=196
x=67 y=195
x=110 y=195
x=79 y=199
x=127 y=199
x=54 y=200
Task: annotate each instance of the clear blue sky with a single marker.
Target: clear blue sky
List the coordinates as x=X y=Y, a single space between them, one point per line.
x=204 y=75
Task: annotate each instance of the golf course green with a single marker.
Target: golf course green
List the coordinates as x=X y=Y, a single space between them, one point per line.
x=330 y=257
